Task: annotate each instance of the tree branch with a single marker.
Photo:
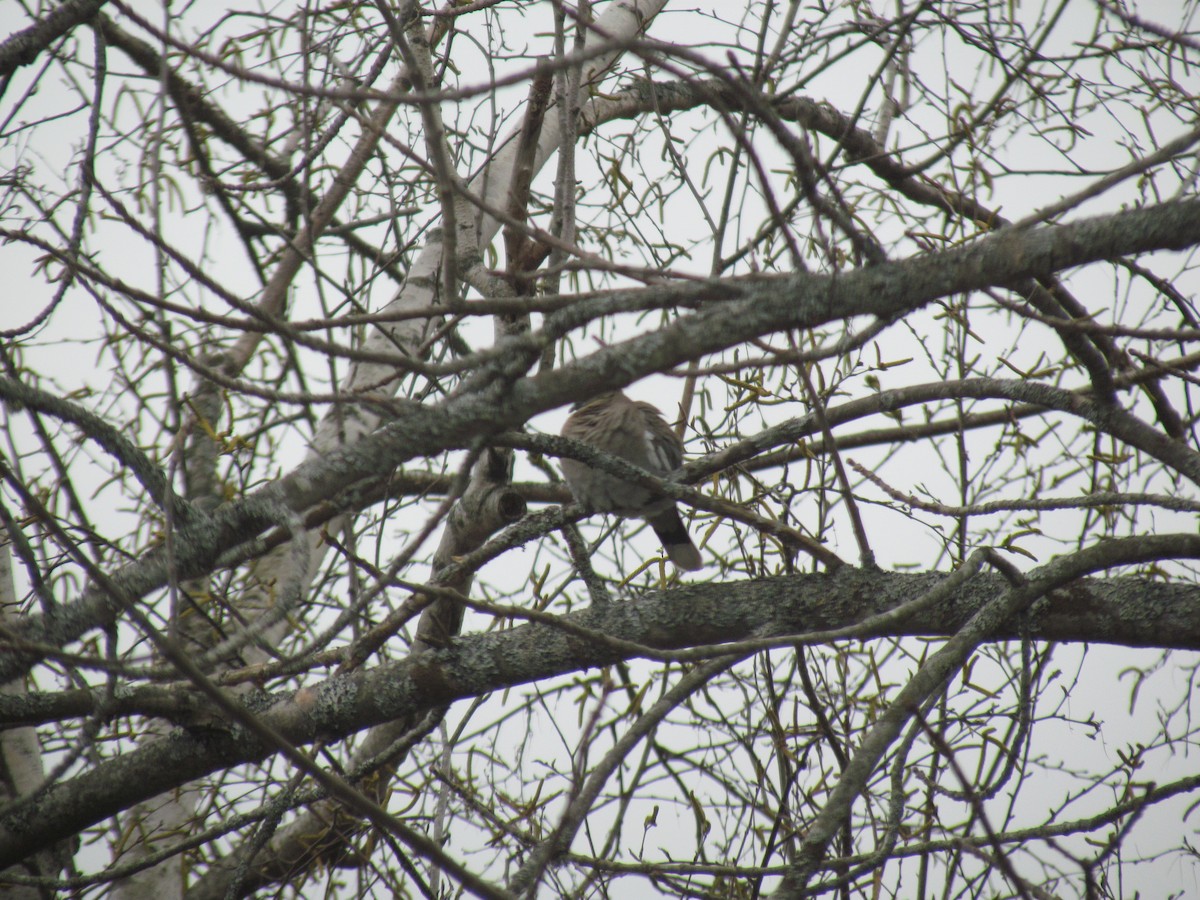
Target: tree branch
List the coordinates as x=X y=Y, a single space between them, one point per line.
x=23 y=47
x=1128 y=611
x=730 y=311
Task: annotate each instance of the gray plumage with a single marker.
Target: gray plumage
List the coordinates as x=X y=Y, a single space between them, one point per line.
x=635 y=432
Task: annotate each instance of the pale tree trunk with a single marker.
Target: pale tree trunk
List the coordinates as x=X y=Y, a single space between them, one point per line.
x=21 y=772
x=325 y=833
x=282 y=578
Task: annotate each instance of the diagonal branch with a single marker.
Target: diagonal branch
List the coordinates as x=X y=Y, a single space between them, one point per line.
x=23 y=47
x=730 y=312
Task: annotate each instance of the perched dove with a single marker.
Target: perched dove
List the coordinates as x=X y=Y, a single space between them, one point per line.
x=635 y=432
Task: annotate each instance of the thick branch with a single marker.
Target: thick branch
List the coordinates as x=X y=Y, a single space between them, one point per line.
x=23 y=47
x=1127 y=611
x=731 y=311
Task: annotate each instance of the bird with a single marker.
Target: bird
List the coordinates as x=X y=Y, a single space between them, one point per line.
x=636 y=432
